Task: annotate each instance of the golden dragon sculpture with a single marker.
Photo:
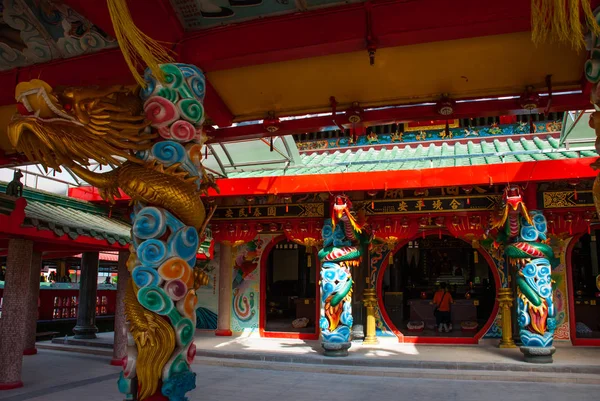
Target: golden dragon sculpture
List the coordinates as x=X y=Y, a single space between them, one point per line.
x=152 y=138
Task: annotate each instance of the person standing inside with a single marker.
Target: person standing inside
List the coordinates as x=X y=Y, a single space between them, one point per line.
x=442 y=301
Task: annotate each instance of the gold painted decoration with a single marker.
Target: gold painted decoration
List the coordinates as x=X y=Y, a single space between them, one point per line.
x=73 y=127
x=155 y=341
x=76 y=125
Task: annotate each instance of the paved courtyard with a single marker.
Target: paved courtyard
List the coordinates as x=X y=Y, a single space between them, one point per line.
x=64 y=376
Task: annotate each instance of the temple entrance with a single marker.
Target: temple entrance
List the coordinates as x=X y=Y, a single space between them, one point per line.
x=417 y=272
x=290 y=284
x=585 y=279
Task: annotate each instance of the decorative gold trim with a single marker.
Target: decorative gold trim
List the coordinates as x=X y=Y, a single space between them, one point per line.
x=451 y=124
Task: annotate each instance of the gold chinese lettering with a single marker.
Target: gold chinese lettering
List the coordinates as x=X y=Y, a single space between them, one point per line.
x=272 y=211
x=437 y=205
x=257 y=212
x=393 y=194
x=454 y=204
x=242 y=213
x=229 y=213
x=402 y=207
x=420 y=204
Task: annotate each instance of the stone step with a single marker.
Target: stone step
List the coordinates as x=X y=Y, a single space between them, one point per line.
x=358 y=361
x=422 y=373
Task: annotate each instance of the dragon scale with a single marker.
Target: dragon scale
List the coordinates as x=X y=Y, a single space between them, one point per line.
x=153 y=138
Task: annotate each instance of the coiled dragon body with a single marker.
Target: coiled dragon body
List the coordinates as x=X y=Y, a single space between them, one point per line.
x=153 y=140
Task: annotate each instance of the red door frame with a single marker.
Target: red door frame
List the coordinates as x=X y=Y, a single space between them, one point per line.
x=571 y=296
x=263 y=296
x=436 y=340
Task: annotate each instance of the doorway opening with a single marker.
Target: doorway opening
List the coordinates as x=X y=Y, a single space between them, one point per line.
x=290 y=284
x=417 y=272
x=585 y=292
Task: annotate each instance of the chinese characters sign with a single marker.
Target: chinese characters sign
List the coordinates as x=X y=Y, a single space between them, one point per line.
x=292 y=210
x=428 y=205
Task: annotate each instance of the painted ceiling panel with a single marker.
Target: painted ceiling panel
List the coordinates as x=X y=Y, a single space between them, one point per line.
x=38 y=31
x=199 y=14
x=475 y=67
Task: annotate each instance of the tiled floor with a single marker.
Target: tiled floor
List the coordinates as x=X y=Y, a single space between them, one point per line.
x=62 y=376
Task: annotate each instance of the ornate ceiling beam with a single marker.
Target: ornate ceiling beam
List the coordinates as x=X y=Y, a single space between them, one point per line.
x=399 y=114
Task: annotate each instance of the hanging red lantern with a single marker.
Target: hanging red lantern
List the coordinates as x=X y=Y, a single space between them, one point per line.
x=354 y=116
x=445 y=106
x=573 y=184
x=468 y=190
x=587 y=217
x=529 y=100
x=372 y=195
x=271 y=123
x=259 y=228
x=569 y=220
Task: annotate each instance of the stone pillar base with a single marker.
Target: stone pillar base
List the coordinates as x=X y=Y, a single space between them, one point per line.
x=358 y=332
x=85 y=332
x=507 y=344
x=223 y=333
x=30 y=351
x=538 y=354
x=336 y=349
x=10 y=386
x=370 y=341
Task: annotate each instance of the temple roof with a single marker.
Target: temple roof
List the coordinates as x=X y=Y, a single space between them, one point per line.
x=63 y=215
x=394 y=157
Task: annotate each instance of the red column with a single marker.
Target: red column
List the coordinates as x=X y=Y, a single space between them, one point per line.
x=120 y=339
x=32 y=304
x=530 y=196
x=14 y=312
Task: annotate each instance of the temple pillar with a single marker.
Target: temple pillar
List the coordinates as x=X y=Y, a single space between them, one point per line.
x=32 y=304
x=225 y=279
x=505 y=300
x=370 y=301
x=13 y=323
x=120 y=336
x=86 y=313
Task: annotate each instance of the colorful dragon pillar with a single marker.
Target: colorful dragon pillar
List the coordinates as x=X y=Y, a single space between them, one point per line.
x=525 y=234
x=342 y=249
x=153 y=140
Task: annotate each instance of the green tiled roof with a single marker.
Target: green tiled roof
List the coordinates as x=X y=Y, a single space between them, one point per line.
x=425 y=155
x=64 y=215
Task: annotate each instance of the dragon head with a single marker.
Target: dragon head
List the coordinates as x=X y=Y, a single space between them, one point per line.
x=77 y=124
x=512 y=202
x=341 y=204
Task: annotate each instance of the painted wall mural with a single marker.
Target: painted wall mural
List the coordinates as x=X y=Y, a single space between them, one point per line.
x=471 y=133
x=207 y=308
x=245 y=286
x=38 y=31
x=198 y=14
x=379 y=253
x=559 y=287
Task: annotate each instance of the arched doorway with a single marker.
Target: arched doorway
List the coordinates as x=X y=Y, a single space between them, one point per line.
x=407 y=287
x=289 y=290
x=584 y=288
